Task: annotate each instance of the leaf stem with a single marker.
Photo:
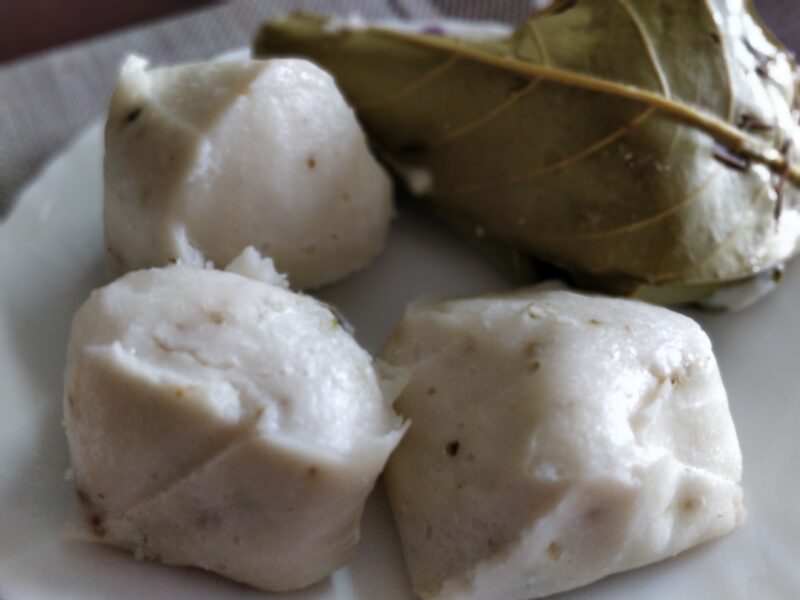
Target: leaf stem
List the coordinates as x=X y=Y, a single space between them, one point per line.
x=725 y=133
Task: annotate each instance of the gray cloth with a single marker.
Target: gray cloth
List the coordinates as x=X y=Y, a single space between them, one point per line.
x=47 y=99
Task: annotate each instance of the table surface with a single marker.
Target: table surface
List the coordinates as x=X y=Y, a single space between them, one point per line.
x=47 y=98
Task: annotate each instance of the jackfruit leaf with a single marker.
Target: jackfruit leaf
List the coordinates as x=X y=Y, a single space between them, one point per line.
x=632 y=143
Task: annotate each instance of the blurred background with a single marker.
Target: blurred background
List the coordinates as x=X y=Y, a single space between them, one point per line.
x=59 y=58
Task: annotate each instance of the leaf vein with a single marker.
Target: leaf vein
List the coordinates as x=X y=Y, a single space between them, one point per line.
x=537 y=38
x=638 y=25
x=488 y=116
x=725 y=59
x=629 y=228
x=731 y=235
x=424 y=79
x=561 y=164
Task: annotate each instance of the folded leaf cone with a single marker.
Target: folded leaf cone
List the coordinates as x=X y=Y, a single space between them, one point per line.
x=632 y=143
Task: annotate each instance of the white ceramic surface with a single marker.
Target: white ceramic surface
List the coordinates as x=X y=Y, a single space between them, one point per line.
x=50 y=258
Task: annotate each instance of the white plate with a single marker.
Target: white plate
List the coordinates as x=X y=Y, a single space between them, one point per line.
x=50 y=257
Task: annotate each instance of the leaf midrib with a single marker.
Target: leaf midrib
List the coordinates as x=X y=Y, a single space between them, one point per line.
x=725 y=133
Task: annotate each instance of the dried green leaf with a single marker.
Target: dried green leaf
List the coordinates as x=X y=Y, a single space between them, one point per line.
x=629 y=142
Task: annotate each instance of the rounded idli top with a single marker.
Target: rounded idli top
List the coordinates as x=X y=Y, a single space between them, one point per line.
x=203 y=160
x=247 y=349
